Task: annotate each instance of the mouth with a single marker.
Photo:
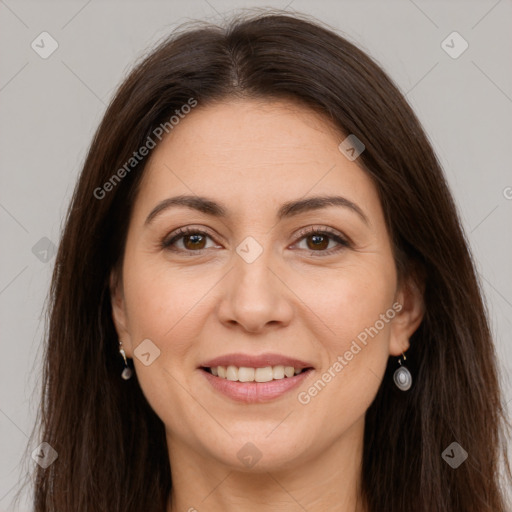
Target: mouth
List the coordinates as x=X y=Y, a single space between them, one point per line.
x=255 y=379
x=248 y=374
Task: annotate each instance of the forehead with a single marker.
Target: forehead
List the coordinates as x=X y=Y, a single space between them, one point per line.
x=252 y=153
x=236 y=129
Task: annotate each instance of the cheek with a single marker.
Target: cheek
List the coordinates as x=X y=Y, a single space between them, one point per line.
x=163 y=300
x=353 y=315
x=346 y=301
x=165 y=305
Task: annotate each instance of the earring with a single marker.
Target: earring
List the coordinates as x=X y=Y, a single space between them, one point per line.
x=402 y=376
x=127 y=372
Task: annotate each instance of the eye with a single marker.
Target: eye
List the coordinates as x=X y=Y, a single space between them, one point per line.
x=193 y=240
x=317 y=240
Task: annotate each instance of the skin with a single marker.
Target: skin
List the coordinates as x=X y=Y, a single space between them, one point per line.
x=252 y=156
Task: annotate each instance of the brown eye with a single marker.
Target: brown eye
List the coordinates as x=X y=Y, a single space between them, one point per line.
x=317 y=241
x=193 y=240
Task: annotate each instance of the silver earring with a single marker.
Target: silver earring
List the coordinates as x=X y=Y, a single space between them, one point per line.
x=127 y=372
x=402 y=376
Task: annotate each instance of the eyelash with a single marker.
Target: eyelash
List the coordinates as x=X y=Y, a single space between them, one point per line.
x=180 y=233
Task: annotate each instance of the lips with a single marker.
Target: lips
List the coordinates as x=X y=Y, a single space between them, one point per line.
x=259 y=361
x=265 y=388
x=255 y=392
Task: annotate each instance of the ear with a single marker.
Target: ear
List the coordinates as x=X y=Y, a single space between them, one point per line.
x=119 y=315
x=409 y=316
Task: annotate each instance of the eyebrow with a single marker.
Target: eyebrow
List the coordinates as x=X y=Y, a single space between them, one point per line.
x=287 y=210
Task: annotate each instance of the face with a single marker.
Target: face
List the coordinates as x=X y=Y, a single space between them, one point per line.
x=262 y=285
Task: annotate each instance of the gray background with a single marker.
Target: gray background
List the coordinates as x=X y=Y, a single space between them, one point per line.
x=49 y=109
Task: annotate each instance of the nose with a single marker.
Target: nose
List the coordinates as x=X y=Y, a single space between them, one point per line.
x=255 y=295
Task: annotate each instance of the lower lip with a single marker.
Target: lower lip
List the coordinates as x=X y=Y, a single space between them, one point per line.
x=255 y=392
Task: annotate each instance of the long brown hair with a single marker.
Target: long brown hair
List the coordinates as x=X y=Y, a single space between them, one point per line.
x=112 y=453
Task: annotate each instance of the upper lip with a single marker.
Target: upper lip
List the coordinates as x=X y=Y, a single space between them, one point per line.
x=253 y=361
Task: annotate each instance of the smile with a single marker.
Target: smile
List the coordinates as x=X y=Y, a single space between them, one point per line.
x=255 y=379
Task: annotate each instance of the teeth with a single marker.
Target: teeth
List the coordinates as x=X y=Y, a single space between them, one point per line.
x=289 y=371
x=264 y=374
x=278 y=372
x=232 y=373
x=244 y=374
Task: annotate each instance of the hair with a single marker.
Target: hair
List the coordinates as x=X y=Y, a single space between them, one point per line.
x=108 y=438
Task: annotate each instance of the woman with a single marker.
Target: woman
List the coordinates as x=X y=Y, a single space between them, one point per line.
x=263 y=298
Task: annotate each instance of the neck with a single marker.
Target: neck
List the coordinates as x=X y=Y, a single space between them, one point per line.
x=328 y=481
